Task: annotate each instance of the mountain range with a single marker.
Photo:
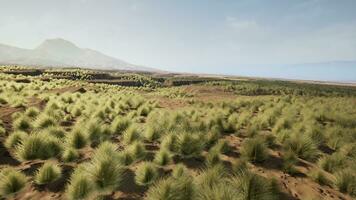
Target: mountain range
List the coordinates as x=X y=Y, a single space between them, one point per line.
x=62 y=53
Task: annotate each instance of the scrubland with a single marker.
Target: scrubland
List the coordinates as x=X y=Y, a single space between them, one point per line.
x=213 y=140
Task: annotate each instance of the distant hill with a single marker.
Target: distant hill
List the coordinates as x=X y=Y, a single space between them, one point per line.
x=62 y=53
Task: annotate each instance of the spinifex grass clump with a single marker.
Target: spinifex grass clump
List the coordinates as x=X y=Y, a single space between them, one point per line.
x=45 y=121
x=23 y=124
x=180 y=170
x=120 y=124
x=69 y=154
x=146 y=173
x=105 y=170
x=250 y=186
x=137 y=151
x=163 y=157
x=213 y=157
x=345 y=181
x=212 y=137
x=11 y=182
x=76 y=139
x=39 y=146
x=303 y=146
x=152 y=134
x=189 y=145
x=239 y=165
x=56 y=131
x=222 y=146
x=2 y=130
x=48 y=173
x=80 y=185
x=144 y=110
x=332 y=163
x=211 y=176
x=131 y=135
x=319 y=177
x=15 y=139
x=172 y=188
x=169 y=142
x=290 y=159
x=212 y=184
x=32 y=112
x=254 y=150
x=93 y=130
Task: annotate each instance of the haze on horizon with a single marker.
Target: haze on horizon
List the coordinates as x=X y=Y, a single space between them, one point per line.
x=274 y=38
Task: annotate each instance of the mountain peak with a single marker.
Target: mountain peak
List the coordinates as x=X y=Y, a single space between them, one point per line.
x=56 y=44
x=59 y=52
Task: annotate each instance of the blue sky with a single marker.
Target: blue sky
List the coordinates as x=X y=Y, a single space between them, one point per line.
x=211 y=36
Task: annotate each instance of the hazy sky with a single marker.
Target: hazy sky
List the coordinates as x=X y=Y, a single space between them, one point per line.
x=213 y=36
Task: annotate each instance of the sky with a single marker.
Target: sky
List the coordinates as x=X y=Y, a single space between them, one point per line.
x=240 y=37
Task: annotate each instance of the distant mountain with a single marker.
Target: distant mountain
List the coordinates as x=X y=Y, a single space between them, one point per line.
x=62 y=53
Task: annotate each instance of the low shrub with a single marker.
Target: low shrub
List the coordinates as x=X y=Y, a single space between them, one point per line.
x=49 y=172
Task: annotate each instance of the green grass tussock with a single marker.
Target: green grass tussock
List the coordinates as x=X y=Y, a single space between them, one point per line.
x=189 y=145
x=39 y=146
x=254 y=150
x=11 y=182
x=49 y=172
x=303 y=146
x=163 y=157
x=15 y=139
x=146 y=173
